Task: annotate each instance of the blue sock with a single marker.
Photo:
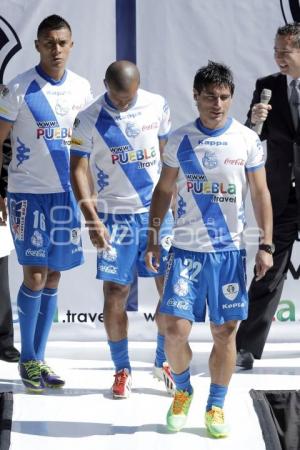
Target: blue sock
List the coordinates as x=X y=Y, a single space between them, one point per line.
x=44 y=322
x=217 y=394
x=183 y=381
x=160 y=356
x=119 y=354
x=28 y=310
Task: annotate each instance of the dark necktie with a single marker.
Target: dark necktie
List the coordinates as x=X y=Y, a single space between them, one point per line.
x=295 y=102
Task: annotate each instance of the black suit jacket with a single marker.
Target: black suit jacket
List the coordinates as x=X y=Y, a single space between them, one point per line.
x=279 y=131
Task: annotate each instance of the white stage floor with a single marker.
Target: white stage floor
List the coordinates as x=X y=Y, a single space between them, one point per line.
x=84 y=416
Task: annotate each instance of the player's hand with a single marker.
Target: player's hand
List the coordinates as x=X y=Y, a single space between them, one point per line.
x=263 y=262
x=152 y=258
x=260 y=112
x=99 y=235
x=3 y=211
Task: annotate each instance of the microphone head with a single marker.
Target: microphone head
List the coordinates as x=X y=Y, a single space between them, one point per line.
x=265 y=95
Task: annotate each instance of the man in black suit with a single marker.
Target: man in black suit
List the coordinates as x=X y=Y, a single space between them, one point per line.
x=8 y=352
x=281 y=130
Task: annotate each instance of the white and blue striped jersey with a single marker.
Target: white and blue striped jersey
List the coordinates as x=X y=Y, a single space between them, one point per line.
x=42 y=112
x=212 y=184
x=124 y=150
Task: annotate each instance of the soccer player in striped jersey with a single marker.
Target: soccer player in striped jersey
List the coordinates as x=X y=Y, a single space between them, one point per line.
x=121 y=136
x=212 y=160
x=38 y=108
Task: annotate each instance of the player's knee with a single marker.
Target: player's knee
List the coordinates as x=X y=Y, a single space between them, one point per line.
x=176 y=332
x=224 y=333
x=114 y=291
x=53 y=278
x=35 y=280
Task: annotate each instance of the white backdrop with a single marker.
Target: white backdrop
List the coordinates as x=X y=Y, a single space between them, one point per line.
x=174 y=38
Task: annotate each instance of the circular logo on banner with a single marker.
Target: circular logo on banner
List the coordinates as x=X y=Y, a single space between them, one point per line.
x=9 y=45
x=290 y=10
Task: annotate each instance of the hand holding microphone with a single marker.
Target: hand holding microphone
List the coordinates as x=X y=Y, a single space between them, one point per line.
x=260 y=110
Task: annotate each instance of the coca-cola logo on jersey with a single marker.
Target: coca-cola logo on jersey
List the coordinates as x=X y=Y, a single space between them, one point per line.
x=9 y=45
x=290 y=10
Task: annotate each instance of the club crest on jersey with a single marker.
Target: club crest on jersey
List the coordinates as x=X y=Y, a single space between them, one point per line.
x=166 y=242
x=132 y=130
x=109 y=254
x=75 y=236
x=37 y=239
x=62 y=108
x=76 y=122
x=181 y=288
x=209 y=160
x=4 y=91
x=230 y=290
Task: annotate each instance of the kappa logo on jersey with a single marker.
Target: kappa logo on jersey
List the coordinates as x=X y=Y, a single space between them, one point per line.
x=102 y=179
x=37 y=239
x=9 y=45
x=212 y=143
x=231 y=290
x=181 y=207
x=17 y=218
x=181 y=288
x=132 y=130
x=209 y=160
x=22 y=152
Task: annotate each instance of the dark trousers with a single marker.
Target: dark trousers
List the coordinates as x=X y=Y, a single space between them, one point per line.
x=6 y=323
x=265 y=294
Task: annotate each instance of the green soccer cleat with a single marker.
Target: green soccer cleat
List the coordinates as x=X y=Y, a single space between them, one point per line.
x=31 y=376
x=215 y=424
x=179 y=409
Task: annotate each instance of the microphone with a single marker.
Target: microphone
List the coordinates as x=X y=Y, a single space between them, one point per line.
x=265 y=97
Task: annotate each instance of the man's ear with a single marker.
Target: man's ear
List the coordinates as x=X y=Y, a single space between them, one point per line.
x=195 y=94
x=36 y=44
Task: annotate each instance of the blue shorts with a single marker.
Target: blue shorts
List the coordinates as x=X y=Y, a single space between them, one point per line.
x=129 y=234
x=46 y=229
x=194 y=280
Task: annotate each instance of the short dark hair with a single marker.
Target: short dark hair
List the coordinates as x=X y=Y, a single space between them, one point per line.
x=213 y=73
x=53 y=22
x=292 y=30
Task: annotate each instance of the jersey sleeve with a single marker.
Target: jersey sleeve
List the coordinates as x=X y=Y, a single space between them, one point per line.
x=10 y=102
x=170 y=152
x=256 y=158
x=165 y=124
x=82 y=140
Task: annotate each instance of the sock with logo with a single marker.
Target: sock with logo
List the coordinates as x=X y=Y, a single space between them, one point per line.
x=28 y=310
x=160 y=356
x=44 y=322
x=119 y=354
x=183 y=381
x=217 y=394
